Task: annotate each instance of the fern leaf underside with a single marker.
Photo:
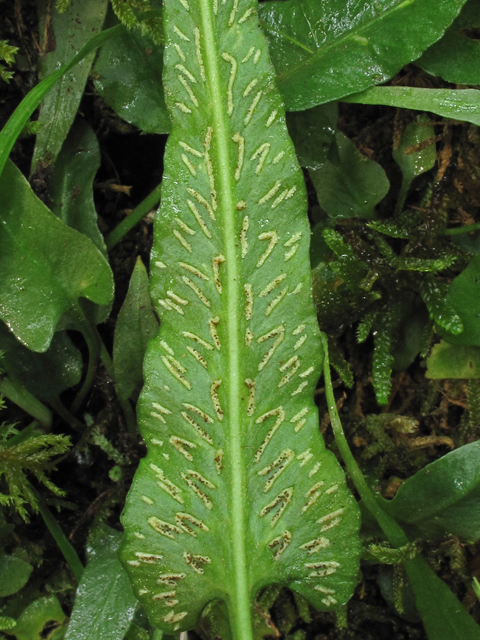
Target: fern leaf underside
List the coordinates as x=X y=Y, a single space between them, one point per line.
x=237 y=490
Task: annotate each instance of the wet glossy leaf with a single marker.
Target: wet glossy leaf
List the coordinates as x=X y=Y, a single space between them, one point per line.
x=136 y=325
x=128 y=76
x=453 y=361
x=104 y=603
x=415 y=154
x=66 y=34
x=462 y=104
x=463 y=296
x=444 y=497
x=456 y=57
x=312 y=133
x=237 y=490
x=349 y=185
x=47 y=374
x=45 y=266
x=31 y=623
x=14 y=574
x=323 y=51
x=72 y=183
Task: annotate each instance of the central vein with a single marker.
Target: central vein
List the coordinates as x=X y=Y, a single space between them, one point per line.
x=240 y=606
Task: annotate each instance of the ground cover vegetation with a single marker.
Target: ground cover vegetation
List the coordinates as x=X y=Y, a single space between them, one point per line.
x=316 y=166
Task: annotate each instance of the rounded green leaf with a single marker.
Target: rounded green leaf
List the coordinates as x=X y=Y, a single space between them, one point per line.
x=45 y=266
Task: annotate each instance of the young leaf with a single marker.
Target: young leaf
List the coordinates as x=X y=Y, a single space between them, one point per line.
x=444 y=497
x=237 y=490
x=412 y=157
x=123 y=65
x=365 y=42
x=68 y=31
x=104 y=604
x=456 y=57
x=72 y=183
x=44 y=265
x=349 y=185
x=136 y=325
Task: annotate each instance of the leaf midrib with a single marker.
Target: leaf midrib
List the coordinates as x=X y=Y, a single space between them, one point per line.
x=240 y=605
x=326 y=48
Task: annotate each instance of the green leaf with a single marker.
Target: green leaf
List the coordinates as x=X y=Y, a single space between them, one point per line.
x=349 y=185
x=323 y=51
x=44 y=265
x=456 y=57
x=72 y=183
x=128 y=76
x=14 y=573
x=415 y=155
x=45 y=375
x=441 y=308
x=463 y=297
x=136 y=325
x=461 y=104
x=31 y=623
x=453 y=361
x=444 y=497
x=104 y=603
x=237 y=490
x=67 y=32
x=312 y=133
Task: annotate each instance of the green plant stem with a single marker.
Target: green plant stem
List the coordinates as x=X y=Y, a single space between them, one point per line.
x=65 y=414
x=140 y=211
x=391 y=529
x=64 y=545
x=459 y=230
x=15 y=392
x=402 y=196
x=125 y=404
x=93 y=345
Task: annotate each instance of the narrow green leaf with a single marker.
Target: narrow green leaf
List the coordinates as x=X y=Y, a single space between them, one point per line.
x=237 y=490
x=104 y=603
x=461 y=104
x=349 y=185
x=456 y=57
x=48 y=374
x=453 y=361
x=124 y=65
x=15 y=573
x=413 y=157
x=67 y=32
x=365 y=43
x=312 y=133
x=463 y=297
x=136 y=325
x=45 y=266
x=444 y=497
x=72 y=183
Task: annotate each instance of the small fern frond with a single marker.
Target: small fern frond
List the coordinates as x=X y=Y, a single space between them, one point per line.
x=7 y=54
x=382 y=358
